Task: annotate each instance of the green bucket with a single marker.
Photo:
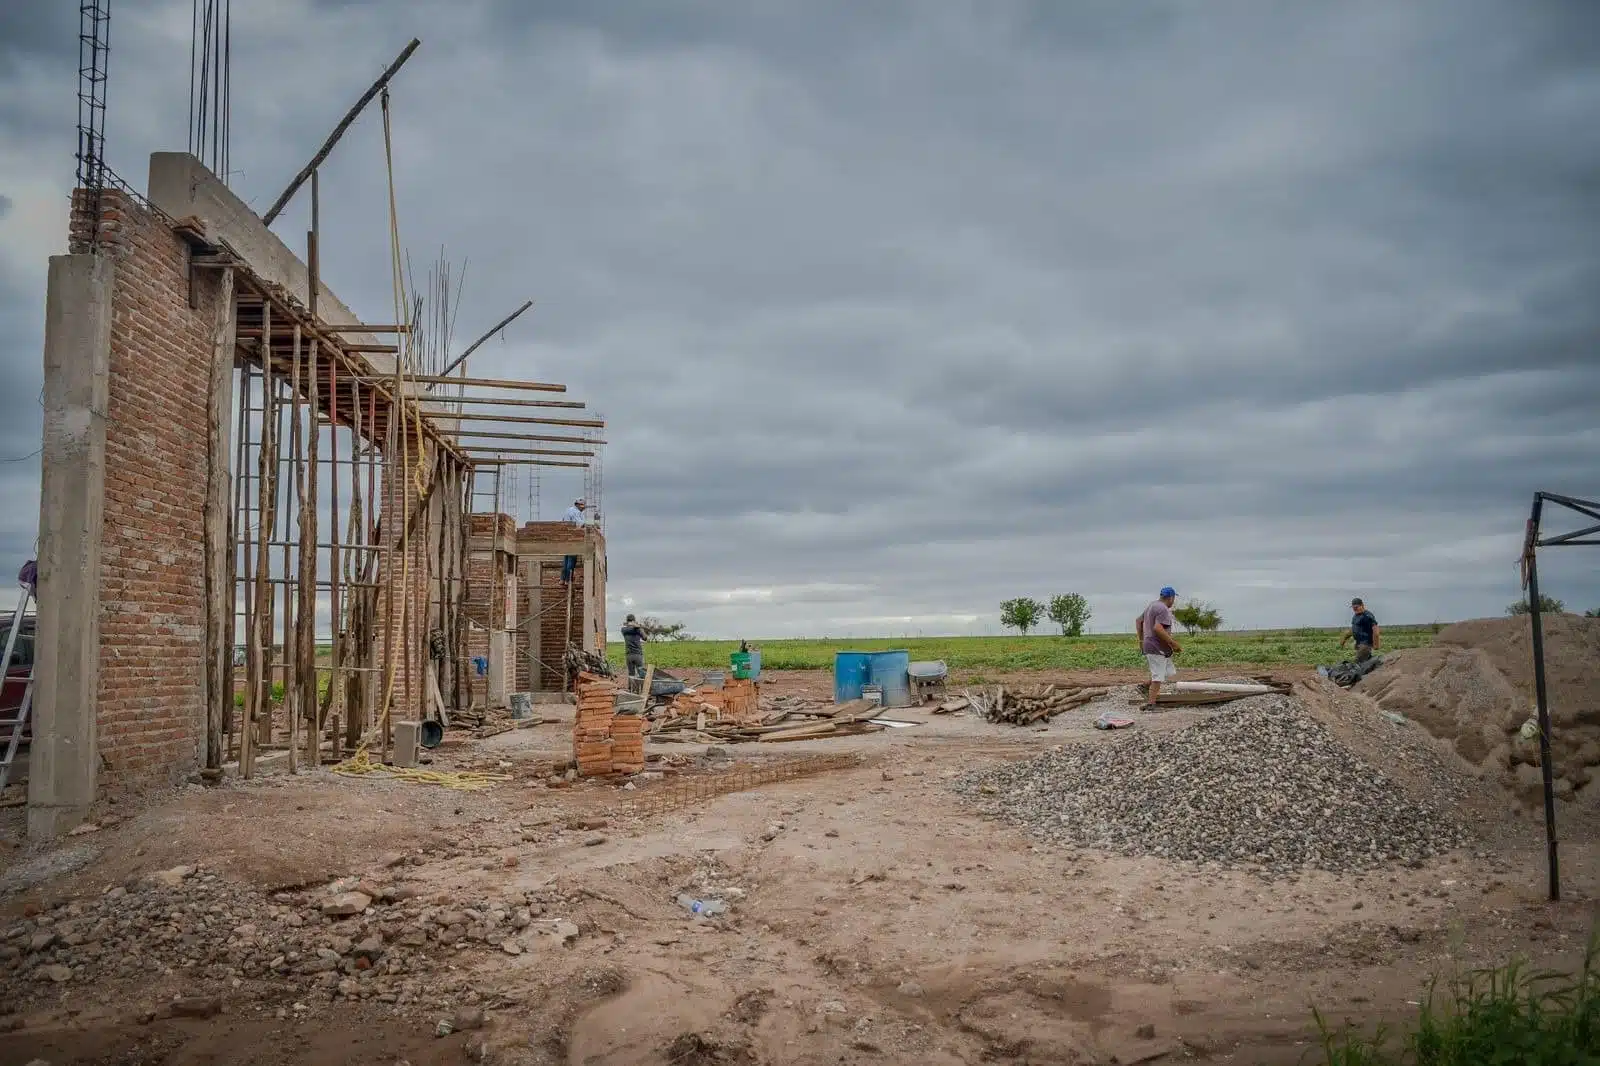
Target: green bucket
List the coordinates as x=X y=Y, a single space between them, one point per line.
x=744 y=664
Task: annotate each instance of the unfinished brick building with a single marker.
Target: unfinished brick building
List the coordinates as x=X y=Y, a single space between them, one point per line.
x=230 y=454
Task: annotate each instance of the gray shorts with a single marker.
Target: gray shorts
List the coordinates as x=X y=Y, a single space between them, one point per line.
x=635 y=665
x=1363 y=652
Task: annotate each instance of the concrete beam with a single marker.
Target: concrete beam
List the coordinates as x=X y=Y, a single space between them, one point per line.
x=181 y=186
x=77 y=375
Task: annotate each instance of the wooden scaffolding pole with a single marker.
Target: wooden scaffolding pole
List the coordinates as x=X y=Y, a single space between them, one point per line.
x=294 y=575
x=306 y=619
x=218 y=521
x=336 y=695
x=261 y=591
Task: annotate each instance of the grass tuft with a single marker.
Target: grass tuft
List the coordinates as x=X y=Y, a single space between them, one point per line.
x=1501 y=1017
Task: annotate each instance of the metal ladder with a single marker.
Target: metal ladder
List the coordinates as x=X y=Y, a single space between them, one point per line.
x=20 y=722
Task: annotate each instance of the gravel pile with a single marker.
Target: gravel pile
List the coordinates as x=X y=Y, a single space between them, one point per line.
x=1261 y=786
x=202 y=934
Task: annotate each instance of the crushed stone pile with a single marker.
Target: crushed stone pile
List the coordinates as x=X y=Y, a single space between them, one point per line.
x=1473 y=687
x=1261 y=786
x=204 y=934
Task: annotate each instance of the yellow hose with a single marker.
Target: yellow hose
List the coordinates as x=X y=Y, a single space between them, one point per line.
x=361 y=765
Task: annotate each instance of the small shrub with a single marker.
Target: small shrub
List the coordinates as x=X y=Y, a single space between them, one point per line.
x=1547 y=605
x=1505 y=1015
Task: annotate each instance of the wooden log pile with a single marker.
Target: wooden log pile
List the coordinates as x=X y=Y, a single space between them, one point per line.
x=1025 y=706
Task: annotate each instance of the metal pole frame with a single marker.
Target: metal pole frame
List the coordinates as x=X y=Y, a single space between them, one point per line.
x=1530 y=580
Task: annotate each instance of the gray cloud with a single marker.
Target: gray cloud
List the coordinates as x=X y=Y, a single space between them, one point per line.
x=898 y=310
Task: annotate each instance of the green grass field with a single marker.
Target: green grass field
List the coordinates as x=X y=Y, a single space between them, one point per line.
x=1279 y=647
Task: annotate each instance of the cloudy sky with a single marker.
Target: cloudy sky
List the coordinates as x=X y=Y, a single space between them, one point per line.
x=900 y=309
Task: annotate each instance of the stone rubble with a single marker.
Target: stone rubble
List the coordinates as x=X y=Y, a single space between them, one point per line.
x=1262 y=786
x=191 y=929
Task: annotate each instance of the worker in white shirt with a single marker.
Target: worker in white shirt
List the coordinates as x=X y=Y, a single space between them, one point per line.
x=574 y=515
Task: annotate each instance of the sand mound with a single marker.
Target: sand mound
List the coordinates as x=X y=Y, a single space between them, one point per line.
x=1474 y=688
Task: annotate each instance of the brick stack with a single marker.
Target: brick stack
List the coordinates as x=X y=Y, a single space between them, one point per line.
x=591 y=728
x=627 y=744
x=741 y=701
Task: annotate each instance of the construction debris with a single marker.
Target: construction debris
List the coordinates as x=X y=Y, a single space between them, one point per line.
x=704 y=717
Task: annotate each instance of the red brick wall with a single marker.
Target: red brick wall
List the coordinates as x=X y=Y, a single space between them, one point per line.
x=151 y=712
x=552 y=641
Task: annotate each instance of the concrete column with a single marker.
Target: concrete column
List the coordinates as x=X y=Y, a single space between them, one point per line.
x=77 y=370
x=589 y=643
x=499 y=665
x=534 y=626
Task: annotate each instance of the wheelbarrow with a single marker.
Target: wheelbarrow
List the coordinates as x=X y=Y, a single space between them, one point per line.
x=927 y=681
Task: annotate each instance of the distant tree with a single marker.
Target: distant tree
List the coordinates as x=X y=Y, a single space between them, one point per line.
x=1070 y=612
x=1592 y=614
x=1022 y=613
x=656 y=629
x=1197 y=617
x=1547 y=605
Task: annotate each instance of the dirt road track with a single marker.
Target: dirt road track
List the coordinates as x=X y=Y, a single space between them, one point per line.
x=873 y=919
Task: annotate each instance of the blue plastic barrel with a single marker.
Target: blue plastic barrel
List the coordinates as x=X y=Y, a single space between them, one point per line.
x=888 y=670
x=849 y=674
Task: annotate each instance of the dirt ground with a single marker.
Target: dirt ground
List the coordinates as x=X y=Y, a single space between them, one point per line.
x=872 y=916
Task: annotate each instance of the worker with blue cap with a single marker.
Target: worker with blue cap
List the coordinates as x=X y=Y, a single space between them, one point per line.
x=1154 y=628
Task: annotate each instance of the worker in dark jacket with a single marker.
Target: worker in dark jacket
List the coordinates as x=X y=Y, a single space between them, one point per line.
x=633 y=646
x=1364 y=629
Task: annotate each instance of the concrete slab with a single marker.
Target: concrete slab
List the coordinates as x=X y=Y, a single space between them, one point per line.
x=181 y=186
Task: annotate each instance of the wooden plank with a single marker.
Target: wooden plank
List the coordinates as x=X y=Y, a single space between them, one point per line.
x=338 y=132
x=480 y=383
x=540 y=437
x=386 y=349
x=536 y=420
x=474 y=449
x=218 y=543
x=489 y=461
x=505 y=401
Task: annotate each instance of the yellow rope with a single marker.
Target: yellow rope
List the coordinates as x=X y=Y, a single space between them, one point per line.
x=361 y=765
x=417 y=473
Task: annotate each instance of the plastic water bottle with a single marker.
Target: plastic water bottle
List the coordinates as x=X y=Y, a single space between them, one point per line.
x=706 y=908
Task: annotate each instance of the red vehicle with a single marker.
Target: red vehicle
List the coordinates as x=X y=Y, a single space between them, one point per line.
x=16 y=678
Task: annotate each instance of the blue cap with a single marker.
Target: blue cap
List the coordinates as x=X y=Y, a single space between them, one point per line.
x=1168 y=590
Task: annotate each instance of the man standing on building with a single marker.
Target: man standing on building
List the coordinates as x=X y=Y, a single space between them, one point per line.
x=1154 y=628
x=1364 y=628
x=633 y=645
x=574 y=515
